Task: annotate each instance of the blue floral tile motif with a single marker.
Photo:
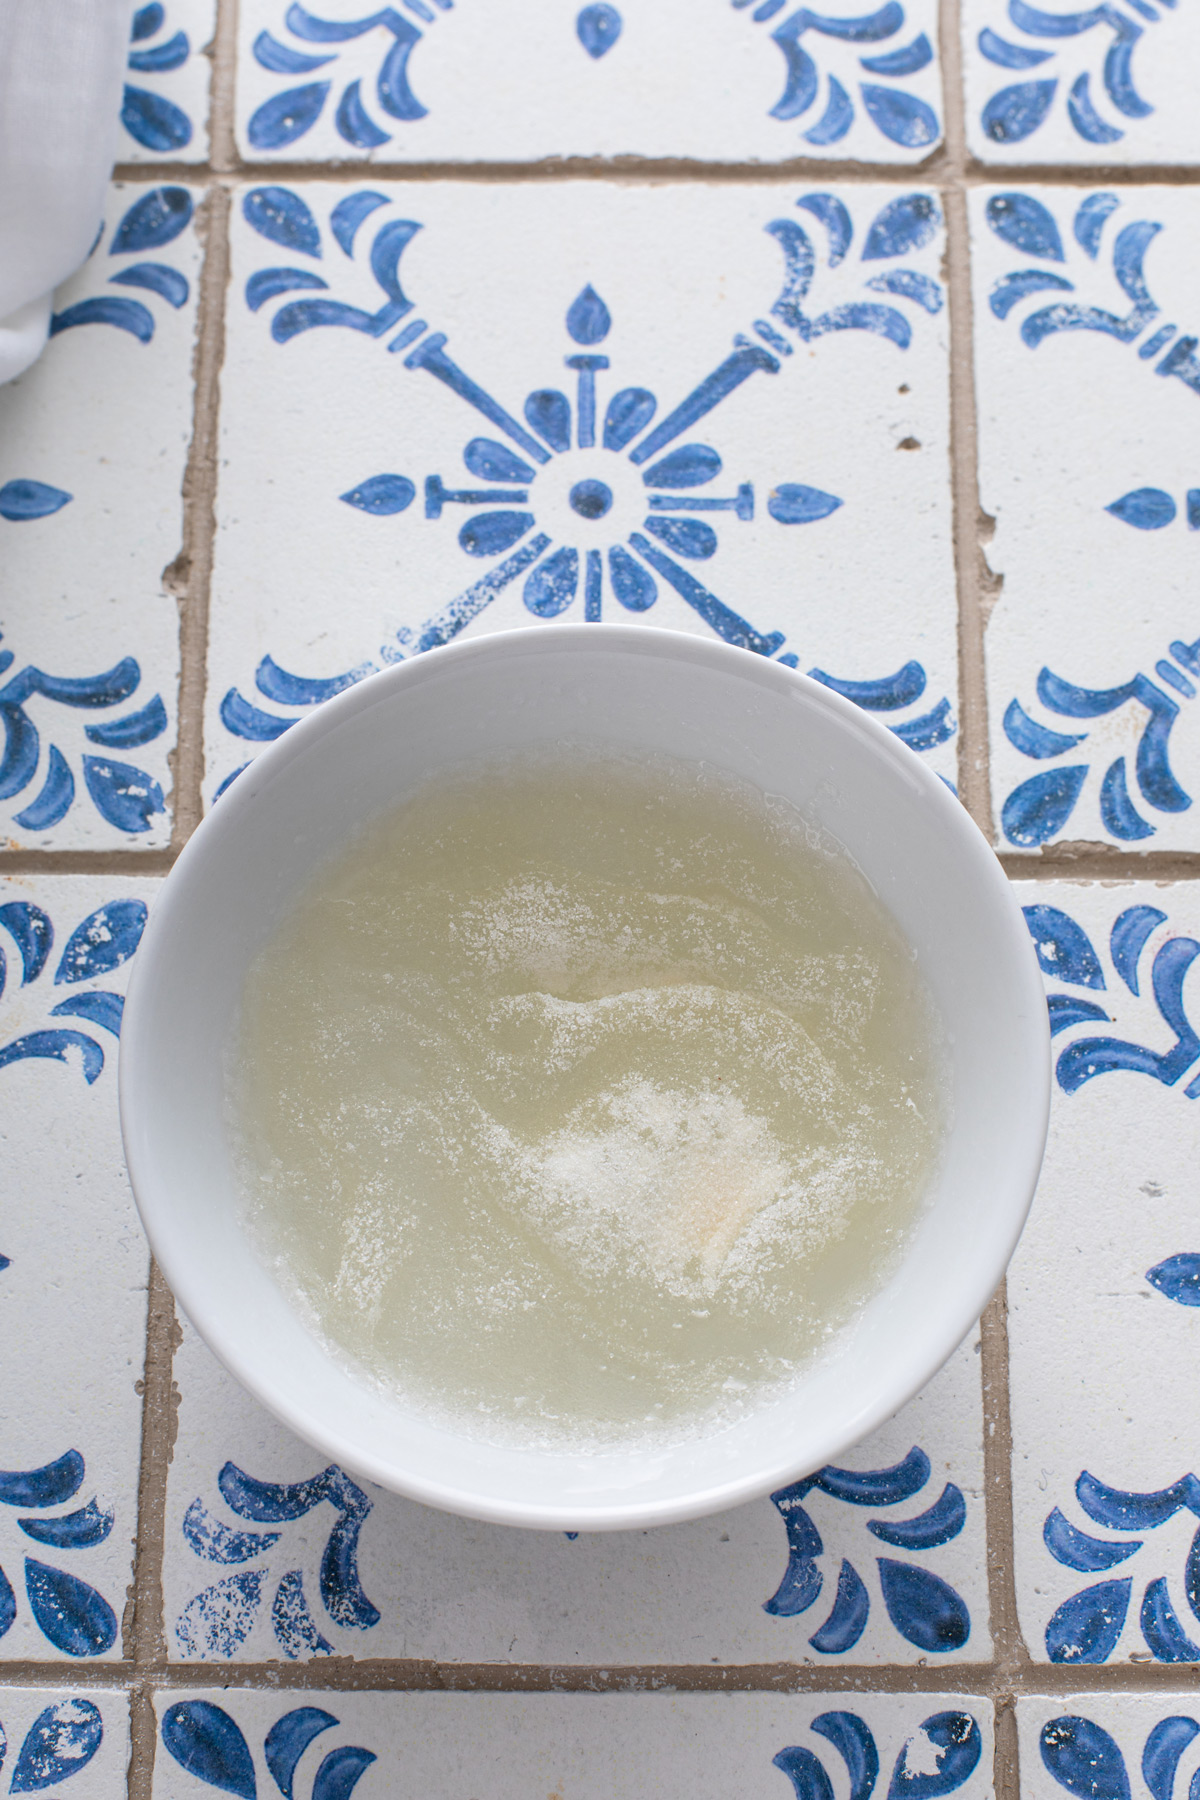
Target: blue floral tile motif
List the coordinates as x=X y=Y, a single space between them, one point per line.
x=953 y=1737
x=217 y=1620
x=97 y=946
x=43 y=790
x=592 y=499
x=71 y=1615
x=165 y=93
x=887 y=49
x=1029 y=39
x=207 y=1743
x=305 y=56
x=426 y=79
x=923 y=1608
x=1068 y=955
x=158 y=217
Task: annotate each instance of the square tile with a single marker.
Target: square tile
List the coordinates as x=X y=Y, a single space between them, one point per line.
x=590 y=1746
x=47 y=1735
x=1103 y=1329
x=765 y=458
x=882 y=1561
x=1102 y=1743
x=1098 y=87
x=73 y=1270
x=734 y=82
x=164 y=109
x=1089 y=402
x=93 y=446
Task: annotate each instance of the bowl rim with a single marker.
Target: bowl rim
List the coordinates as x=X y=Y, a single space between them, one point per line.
x=223 y=821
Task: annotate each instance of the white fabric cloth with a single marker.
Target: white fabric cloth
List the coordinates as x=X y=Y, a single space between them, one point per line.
x=61 y=68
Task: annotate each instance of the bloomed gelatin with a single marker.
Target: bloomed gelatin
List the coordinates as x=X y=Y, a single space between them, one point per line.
x=583 y=1100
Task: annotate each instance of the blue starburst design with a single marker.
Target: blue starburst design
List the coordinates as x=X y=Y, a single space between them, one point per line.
x=207 y=1742
x=591 y=496
x=217 y=1621
x=923 y=1608
x=147 y=114
x=1019 y=108
x=123 y=794
x=901 y=116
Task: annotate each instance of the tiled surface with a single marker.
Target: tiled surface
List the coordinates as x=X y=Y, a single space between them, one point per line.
x=93 y=445
x=218 y=501
x=164 y=109
x=73 y=1284
x=722 y=1590
x=1104 y=1494
x=731 y=82
x=50 y=1735
x=592 y=1747
x=819 y=452
x=1089 y=405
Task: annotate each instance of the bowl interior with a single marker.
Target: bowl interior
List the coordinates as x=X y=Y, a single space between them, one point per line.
x=630 y=689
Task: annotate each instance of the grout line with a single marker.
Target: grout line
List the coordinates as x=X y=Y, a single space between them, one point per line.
x=400 y=1675
x=223 y=146
x=972 y=693
x=191 y=574
x=160 y=1401
x=1007 y=1764
x=142 y=1743
x=1011 y=1654
x=636 y=170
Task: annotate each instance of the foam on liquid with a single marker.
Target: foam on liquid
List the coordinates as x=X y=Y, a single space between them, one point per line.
x=579 y=1100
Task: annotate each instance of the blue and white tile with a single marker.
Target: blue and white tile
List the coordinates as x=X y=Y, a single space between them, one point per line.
x=1110 y=85
x=591 y=1746
x=93 y=446
x=164 y=108
x=1106 y=1745
x=764 y=459
x=1086 y=323
x=271 y=1554
x=73 y=1269
x=1103 y=1292
x=428 y=81
x=49 y=1735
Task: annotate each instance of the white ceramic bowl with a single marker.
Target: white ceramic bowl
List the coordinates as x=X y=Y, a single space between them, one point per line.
x=633 y=689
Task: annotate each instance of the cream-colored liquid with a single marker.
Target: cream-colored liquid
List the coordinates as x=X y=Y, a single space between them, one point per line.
x=578 y=1100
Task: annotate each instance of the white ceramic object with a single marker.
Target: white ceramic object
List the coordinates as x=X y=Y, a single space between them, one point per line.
x=629 y=689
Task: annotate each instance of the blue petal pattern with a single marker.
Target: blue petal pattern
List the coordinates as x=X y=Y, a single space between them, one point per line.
x=941 y=1522
x=103 y=941
x=1084 y=1759
x=156 y=122
x=851 y=1737
x=904 y=118
x=1086 y=1627
x=848 y=1620
x=61 y=1741
x=72 y=1531
x=154 y=220
x=289 y=1738
x=23 y=499
x=1178 y=1277
x=958 y=1744
x=48 y=1486
x=206 y=1742
x=924 y=1609
x=76 y=1619
x=292 y=1621
x=1145 y=508
x=1075 y=1549
x=598 y=28
x=1164 y=1746
x=279 y=214
x=1026 y=224
x=381 y=495
x=210 y=1538
x=1039 y=808
x=903 y=226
